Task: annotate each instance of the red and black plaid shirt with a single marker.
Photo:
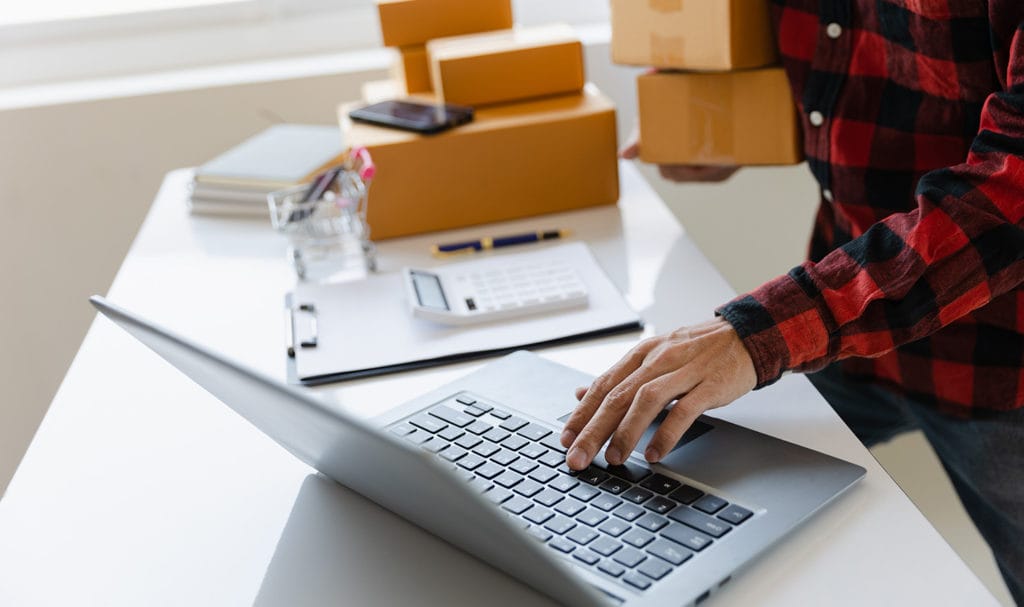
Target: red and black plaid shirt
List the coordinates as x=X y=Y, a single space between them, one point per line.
x=913 y=114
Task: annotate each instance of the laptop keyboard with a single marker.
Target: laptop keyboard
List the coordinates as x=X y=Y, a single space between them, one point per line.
x=626 y=523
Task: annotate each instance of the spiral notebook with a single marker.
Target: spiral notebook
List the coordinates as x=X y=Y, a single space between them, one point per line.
x=365 y=328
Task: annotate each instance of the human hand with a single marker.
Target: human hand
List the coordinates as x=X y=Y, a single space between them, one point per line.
x=705 y=366
x=680 y=173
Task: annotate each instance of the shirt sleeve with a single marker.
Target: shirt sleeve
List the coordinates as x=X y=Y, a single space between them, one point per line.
x=911 y=273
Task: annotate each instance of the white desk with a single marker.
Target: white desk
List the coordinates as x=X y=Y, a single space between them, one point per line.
x=140 y=489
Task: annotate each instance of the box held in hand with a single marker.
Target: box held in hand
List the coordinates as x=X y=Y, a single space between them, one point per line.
x=514 y=160
x=692 y=34
x=509 y=65
x=731 y=118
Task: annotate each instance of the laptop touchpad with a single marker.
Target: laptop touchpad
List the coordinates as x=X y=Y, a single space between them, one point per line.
x=698 y=429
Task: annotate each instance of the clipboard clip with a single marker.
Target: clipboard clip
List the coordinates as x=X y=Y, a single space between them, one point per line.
x=300 y=323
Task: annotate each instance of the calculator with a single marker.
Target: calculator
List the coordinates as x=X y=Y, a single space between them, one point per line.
x=475 y=292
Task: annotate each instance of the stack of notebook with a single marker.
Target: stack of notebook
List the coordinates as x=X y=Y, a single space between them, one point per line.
x=237 y=182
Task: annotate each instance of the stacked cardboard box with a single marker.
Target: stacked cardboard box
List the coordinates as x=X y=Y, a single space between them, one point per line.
x=541 y=140
x=717 y=98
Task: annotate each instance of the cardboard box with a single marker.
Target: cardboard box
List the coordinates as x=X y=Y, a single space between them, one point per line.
x=412 y=69
x=731 y=118
x=509 y=65
x=412 y=22
x=515 y=160
x=692 y=34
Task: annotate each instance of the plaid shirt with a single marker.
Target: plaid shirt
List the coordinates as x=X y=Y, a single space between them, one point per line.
x=913 y=115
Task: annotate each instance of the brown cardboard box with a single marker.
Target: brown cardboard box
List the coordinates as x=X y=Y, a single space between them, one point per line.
x=730 y=118
x=509 y=65
x=692 y=34
x=412 y=69
x=516 y=160
x=411 y=22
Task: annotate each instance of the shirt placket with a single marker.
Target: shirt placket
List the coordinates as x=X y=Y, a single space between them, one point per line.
x=828 y=73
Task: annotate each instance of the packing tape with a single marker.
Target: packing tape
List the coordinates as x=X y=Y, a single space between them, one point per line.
x=711 y=120
x=665 y=6
x=666 y=51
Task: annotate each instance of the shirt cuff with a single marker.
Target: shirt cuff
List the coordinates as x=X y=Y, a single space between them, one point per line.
x=784 y=325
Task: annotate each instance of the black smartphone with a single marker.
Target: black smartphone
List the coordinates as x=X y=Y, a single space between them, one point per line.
x=424 y=118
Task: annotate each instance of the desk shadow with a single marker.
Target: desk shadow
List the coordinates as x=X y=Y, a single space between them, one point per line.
x=338 y=548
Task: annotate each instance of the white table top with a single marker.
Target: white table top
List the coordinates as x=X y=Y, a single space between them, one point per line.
x=141 y=489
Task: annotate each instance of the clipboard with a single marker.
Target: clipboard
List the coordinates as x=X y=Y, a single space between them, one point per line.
x=365 y=328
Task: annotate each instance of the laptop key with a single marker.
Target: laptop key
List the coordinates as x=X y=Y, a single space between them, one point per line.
x=551 y=442
x=523 y=466
x=464 y=399
x=453 y=417
x=637 y=538
x=560 y=525
x=506 y=479
x=628 y=512
x=485 y=449
x=489 y=470
x=539 y=516
x=586 y=556
x=498 y=495
x=659 y=504
x=548 y=497
x=615 y=485
x=629 y=471
x=584 y=493
x=699 y=521
x=540 y=533
x=516 y=505
x=534 y=432
x=532 y=451
x=629 y=557
x=402 y=429
x=418 y=437
x=504 y=457
x=528 y=488
x=426 y=422
x=434 y=445
x=474 y=411
x=543 y=475
x=582 y=535
x=562 y=545
x=513 y=423
x=614 y=527
x=660 y=484
x=563 y=483
x=606 y=502
x=552 y=459
x=593 y=476
x=471 y=462
x=496 y=435
x=570 y=507
x=637 y=581
x=605 y=546
x=501 y=414
x=651 y=522
x=636 y=495
x=611 y=568
x=479 y=427
x=468 y=441
x=654 y=569
x=591 y=517
x=686 y=494
x=710 y=504
x=481 y=485
x=735 y=514
x=669 y=551
x=515 y=443
x=692 y=539
x=450 y=433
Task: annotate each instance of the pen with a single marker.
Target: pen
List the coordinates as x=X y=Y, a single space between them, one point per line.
x=483 y=244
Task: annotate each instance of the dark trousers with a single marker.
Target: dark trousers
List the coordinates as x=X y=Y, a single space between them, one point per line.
x=984 y=458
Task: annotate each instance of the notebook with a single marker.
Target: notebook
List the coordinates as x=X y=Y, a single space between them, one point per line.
x=365 y=328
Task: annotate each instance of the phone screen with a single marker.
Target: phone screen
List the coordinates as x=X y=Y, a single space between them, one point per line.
x=419 y=117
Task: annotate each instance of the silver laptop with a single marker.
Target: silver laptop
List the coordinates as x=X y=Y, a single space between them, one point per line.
x=478 y=463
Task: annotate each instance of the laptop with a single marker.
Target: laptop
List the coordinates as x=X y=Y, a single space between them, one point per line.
x=477 y=462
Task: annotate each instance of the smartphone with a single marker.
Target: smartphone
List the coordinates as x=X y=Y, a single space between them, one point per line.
x=426 y=118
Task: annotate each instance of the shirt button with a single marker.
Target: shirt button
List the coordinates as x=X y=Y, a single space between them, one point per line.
x=834 y=30
x=817 y=118
x=827 y=194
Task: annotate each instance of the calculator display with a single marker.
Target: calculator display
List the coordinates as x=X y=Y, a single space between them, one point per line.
x=428 y=290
